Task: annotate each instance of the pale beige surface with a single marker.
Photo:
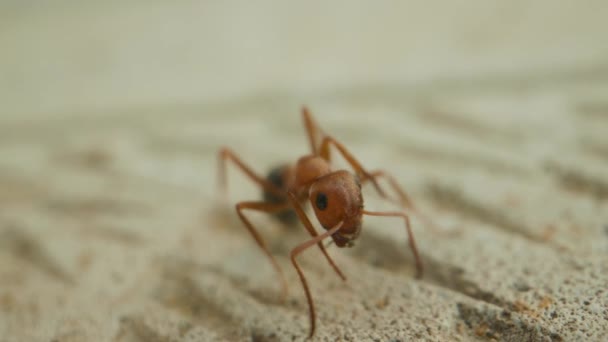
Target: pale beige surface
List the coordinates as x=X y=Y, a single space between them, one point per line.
x=494 y=117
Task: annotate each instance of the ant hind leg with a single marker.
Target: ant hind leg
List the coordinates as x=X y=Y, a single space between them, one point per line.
x=360 y=171
x=227 y=154
x=312 y=130
x=267 y=208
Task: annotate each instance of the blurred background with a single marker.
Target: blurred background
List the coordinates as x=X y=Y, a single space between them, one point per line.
x=75 y=57
x=492 y=115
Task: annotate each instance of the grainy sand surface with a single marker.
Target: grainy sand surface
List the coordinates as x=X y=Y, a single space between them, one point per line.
x=493 y=117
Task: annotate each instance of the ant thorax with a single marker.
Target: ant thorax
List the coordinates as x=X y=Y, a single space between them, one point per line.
x=308 y=169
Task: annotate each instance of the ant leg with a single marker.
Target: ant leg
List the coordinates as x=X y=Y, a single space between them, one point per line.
x=363 y=174
x=404 y=199
x=267 y=208
x=311 y=230
x=412 y=242
x=299 y=249
x=312 y=129
x=227 y=154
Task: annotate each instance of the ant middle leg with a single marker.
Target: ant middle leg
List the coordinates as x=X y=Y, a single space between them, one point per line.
x=267 y=208
x=403 y=199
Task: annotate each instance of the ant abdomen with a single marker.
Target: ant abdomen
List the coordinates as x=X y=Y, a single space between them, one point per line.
x=278 y=176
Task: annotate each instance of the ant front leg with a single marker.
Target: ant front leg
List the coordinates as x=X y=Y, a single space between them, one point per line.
x=412 y=242
x=294 y=253
x=267 y=208
x=227 y=154
x=311 y=230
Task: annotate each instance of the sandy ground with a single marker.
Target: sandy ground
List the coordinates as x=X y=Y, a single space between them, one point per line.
x=493 y=117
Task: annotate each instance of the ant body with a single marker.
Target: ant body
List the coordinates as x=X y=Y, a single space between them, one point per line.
x=335 y=196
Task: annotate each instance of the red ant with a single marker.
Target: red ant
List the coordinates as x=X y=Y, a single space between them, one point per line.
x=335 y=196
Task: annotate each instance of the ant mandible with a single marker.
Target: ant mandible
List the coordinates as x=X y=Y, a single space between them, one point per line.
x=335 y=196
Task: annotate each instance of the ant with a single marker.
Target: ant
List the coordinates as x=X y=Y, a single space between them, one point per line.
x=335 y=196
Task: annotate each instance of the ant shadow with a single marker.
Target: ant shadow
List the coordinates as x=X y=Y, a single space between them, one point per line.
x=383 y=253
x=395 y=256
x=374 y=249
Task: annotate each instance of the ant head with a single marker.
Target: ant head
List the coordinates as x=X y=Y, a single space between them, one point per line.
x=337 y=197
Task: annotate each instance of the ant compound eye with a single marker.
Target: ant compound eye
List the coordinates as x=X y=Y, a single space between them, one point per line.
x=321 y=201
